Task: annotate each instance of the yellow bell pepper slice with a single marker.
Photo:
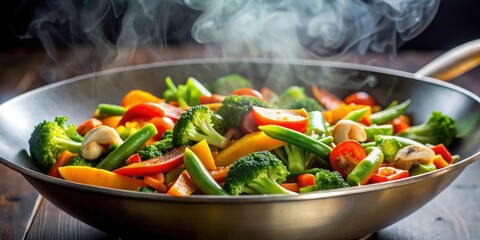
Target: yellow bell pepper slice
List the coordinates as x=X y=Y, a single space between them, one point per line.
x=202 y=150
x=99 y=177
x=253 y=142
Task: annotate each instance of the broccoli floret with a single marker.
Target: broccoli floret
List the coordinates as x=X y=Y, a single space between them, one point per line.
x=235 y=107
x=227 y=84
x=157 y=148
x=439 y=128
x=296 y=159
x=219 y=124
x=257 y=173
x=290 y=95
x=310 y=104
x=149 y=152
x=146 y=189
x=194 y=125
x=79 y=161
x=325 y=180
x=50 y=138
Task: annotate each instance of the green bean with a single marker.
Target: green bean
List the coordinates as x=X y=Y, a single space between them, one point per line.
x=390 y=113
x=200 y=175
x=127 y=148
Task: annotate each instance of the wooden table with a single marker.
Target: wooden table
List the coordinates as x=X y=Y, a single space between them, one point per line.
x=454 y=214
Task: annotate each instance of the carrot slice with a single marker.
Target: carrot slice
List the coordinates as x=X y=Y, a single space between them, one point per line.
x=183 y=186
x=62 y=159
x=99 y=177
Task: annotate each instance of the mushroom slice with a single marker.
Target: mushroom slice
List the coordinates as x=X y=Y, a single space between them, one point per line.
x=348 y=130
x=97 y=139
x=411 y=155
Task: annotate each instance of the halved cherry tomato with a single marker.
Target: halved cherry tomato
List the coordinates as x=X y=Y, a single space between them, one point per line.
x=162 y=124
x=160 y=164
x=248 y=92
x=345 y=156
x=388 y=173
x=149 y=110
x=295 y=119
x=360 y=98
x=442 y=150
x=249 y=124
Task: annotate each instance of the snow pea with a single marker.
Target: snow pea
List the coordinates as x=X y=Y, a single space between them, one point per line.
x=366 y=167
x=200 y=175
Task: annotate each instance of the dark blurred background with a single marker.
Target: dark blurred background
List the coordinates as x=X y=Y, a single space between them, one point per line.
x=456 y=22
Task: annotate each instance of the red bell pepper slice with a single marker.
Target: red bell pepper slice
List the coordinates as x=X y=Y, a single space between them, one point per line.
x=306 y=179
x=295 y=119
x=149 y=110
x=327 y=99
x=388 y=173
x=345 y=156
x=135 y=158
x=160 y=164
x=442 y=150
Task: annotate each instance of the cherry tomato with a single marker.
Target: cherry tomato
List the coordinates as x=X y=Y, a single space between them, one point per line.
x=162 y=124
x=249 y=125
x=248 y=92
x=360 y=98
x=295 y=119
x=388 y=173
x=345 y=156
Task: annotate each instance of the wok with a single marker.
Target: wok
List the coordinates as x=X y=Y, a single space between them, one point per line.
x=321 y=215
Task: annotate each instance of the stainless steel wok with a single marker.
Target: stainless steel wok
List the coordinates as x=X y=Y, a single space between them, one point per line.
x=336 y=214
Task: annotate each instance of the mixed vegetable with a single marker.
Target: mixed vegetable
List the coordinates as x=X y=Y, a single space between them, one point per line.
x=230 y=139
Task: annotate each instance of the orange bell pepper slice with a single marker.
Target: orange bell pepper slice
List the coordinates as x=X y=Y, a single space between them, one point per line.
x=137 y=96
x=202 y=150
x=253 y=142
x=183 y=186
x=99 y=177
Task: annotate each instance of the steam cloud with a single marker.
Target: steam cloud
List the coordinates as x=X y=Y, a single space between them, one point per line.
x=248 y=28
x=321 y=28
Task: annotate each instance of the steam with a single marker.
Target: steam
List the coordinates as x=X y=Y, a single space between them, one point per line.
x=112 y=33
x=320 y=28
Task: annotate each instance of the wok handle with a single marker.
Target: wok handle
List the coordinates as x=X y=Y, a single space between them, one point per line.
x=454 y=62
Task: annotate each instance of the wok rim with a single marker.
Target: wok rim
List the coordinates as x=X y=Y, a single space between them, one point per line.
x=464 y=162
